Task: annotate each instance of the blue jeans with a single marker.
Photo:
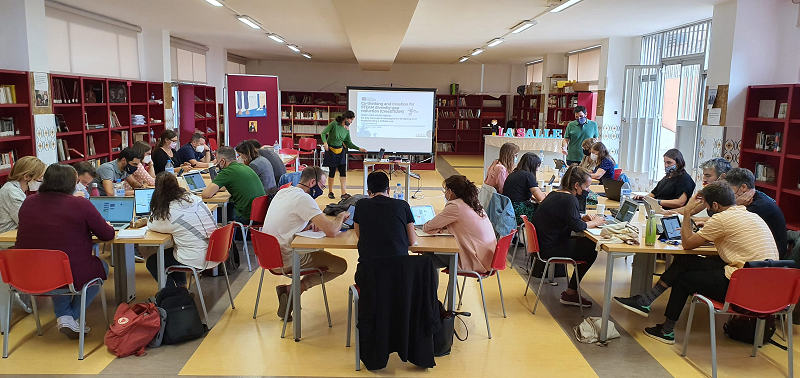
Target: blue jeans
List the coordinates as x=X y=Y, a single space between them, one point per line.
x=66 y=305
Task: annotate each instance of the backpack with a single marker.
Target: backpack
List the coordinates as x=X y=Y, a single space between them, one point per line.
x=134 y=327
x=183 y=319
x=743 y=328
x=159 y=337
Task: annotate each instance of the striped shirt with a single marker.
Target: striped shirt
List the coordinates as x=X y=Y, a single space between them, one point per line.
x=740 y=236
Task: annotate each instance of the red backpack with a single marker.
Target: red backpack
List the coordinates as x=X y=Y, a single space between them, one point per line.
x=133 y=328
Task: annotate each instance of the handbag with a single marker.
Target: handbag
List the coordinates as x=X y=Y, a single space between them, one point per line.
x=588 y=332
x=443 y=337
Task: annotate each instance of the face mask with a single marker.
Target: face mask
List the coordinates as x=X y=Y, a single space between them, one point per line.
x=34 y=185
x=240 y=160
x=586 y=152
x=201 y=148
x=593 y=157
x=82 y=188
x=346 y=123
x=130 y=169
x=671 y=169
x=173 y=145
x=147 y=159
x=314 y=191
x=582 y=120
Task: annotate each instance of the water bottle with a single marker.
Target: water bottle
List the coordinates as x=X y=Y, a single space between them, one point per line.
x=276 y=147
x=625 y=192
x=94 y=192
x=119 y=189
x=651 y=232
x=541 y=156
x=169 y=167
x=398 y=191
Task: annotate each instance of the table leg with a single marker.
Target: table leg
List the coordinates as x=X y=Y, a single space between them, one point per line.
x=451 y=302
x=366 y=172
x=607 y=297
x=162 y=276
x=408 y=184
x=124 y=273
x=224 y=213
x=296 y=312
x=642 y=272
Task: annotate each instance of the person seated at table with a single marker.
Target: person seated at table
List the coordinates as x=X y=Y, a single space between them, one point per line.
x=521 y=185
x=120 y=169
x=248 y=155
x=145 y=174
x=384 y=225
x=557 y=218
x=165 y=151
x=55 y=219
x=743 y=183
x=294 y=209
x=239 y=180
x=739 y=236
x=196 y=152
x=498 y=172
x=464 y=218
x=278 y=167
x=713 y=170
x=604 y=163
x=175 y=211
x=587 y=161
x=25 y=175
x=86 y=174
x=676 y=187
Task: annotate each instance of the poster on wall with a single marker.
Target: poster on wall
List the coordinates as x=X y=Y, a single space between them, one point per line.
x=251 y=103
x=252 y=126
x=41 y=89
x=46 y=142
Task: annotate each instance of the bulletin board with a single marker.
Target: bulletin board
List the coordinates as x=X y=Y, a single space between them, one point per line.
x=263 y=124
x=720 y=102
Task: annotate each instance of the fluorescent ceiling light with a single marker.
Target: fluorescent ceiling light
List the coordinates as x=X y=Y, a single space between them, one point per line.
x=214 y=3
x=583 y=49
x=275 y=38
x=476 y=51
x=495 y=42
x=534 y=62
x=522 y=26
x=305 y=55
x=564 y=5
x=463 y=59
x=294 y=48
x=249 y=22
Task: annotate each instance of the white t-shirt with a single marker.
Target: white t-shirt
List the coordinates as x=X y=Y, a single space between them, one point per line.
x=191 y=224
x=289 y=213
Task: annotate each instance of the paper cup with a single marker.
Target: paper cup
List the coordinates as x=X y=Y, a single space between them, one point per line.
x=601 y=209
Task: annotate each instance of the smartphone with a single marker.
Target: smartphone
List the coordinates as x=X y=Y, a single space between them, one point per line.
x=180 y=172
x=551 y=180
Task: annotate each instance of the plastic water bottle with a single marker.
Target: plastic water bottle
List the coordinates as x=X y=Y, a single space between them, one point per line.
x=651 y=233
x=541 y=156
x=398 y=192
x=119 y=189
x=169 y=167
x=625 y=192
x=276 y=147
x=94 y=192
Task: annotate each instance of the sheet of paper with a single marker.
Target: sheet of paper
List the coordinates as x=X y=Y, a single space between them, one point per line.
x=138 y=233
x=714 y=116
x=594 y=231
x=640 y=193
x=311 y=234
x=423 y=234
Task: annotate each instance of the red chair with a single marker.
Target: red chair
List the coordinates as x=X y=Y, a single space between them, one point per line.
x=43 y=272
x=212 y=144
x=268 y=253
x=533 y=249
x=258 y=211
x=761 y=291
x=295 y=153
x=308 y=146
x=617 y=172
x=217 y=252
x=287 y=143
x=498 y=264
x=284 y=186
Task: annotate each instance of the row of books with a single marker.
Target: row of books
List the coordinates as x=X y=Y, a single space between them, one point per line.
x=444 y=147
x=764 y=172
x=196 y=99
x=463 y=124
x=7 y=128
x=65 y=152
x=445 y=102
x=316 y=114
x=766 y=109
x=8 y=94
x=309 y=129
x=292 y=99
x=7 y=159
x=768 y=142
x=200 y=115
x=562 y=102
x=63 y=96
x=445 y=113
x=469 y=113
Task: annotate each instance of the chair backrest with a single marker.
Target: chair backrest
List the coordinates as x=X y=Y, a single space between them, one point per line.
x=219 y=244
x=212 y=143
x=617 y=172
x=501 y=251
x=287 y=142
x=532 y=241
x=289 y=151
x=284 y=186
x=258 y=210
x=307 y=144
x=35 y=271
x=764 y=290
x=267 y=250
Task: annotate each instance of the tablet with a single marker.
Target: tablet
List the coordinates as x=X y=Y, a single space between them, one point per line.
x=672 y=227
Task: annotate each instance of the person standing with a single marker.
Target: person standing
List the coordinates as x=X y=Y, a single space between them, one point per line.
x=335 y=142
x=578 y=130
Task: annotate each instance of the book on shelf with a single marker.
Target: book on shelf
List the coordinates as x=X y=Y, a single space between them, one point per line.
x=764 y=172
x=533 y=103
x=197 y=98
x=469 y=113
x=444 y=147
x=62 y=123
x=114 y=120
x=768 y=142
x=7 y=159
x=782 y=110
x=462 y=101
x=63 y=96
x=198 y=115
x=76 y=152
x=766 y=108
x=124 y=135
x=95 y=126
x=62 y=150
x=90 y=145
x=94 y=94
x=117 y=93
x=8 y=94
x=7 y=128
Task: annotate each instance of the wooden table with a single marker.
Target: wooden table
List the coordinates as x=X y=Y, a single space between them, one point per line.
x=444 y=245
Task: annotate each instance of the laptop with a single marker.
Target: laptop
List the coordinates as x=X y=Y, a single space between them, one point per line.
x=348 y=223
x=142 y=198
x=613 y=189
x=559 y=163
x=672 y=227
x=422 y=214
x=195 y=182
x=651 y=203
x=625 y=213
x=116 y=210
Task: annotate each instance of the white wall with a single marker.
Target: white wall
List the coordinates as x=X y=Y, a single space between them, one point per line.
x=335 y=77
x=788 y=58
x=26 y=48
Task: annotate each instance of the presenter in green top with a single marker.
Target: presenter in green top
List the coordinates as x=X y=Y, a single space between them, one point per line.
x=577 y=131
x=335 y=142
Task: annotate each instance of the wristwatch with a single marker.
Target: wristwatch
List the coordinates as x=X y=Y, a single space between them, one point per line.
x=659 y=202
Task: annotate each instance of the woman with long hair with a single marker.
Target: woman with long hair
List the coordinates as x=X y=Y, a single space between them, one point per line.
x=25 y=175
x=335 y=142
x=165 y=151
x=175 y=211
x=604 y=163
x=676 y=187
x=587 y=162
x=465 y=219
x=249 y=156
x=556 y=218
x=498 y=172
x=521 y=186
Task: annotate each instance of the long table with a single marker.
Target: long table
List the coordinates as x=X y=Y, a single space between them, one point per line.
x=444 y=245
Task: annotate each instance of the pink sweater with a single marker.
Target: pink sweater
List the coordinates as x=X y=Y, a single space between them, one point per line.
x=474 y=234
x=496 y=176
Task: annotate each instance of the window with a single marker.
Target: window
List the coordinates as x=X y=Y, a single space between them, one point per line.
x=674 y=43
x=584 y=66
x=188 y=61
x=234 y=68
x=533 y=72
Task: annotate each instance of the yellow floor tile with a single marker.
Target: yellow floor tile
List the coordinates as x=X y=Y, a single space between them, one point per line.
x=464 y=160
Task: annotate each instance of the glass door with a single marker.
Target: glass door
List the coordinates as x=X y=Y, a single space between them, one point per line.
x=683 y=84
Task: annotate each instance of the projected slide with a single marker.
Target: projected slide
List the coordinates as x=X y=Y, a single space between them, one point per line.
x=398 y=120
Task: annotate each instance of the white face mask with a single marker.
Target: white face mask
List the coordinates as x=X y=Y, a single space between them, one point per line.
x=593 y=156
x=147 y=159
x=33 y=186
x=201 y=148
x=82 y=188
x=173 y=145
x=240 y=159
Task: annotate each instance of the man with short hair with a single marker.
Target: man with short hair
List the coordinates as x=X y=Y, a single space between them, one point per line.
x=239 y=180
x=713 y=170
x=120 y=169
x=196 y=152
x=739 y=235
x=578 y=130
x=294 y=209
x=384 y=225
x=86 y=175
x=743 y=182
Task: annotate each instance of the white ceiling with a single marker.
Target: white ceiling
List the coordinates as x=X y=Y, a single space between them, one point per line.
x=440 y=31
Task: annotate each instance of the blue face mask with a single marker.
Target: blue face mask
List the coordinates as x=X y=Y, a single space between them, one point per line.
x=582 y=120
x=314 y=191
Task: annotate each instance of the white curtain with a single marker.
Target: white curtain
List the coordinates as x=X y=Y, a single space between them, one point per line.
x=641 y=120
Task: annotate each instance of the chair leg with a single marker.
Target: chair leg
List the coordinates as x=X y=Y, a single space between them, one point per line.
x=82 y=325
x=485 y=313
x=759 y=336
x=516 y=245
x=258 y=296
x=286 y=314
x=7 y=324
x=246 y=250
x=688 y=328
x=349 y=313
x=578 y=282
x=358 y=341
x=461 y=293
x=782 y=318
x=36 y=316
x=528 y=284
x=713 y=328
x=502 y=301
x=789 y=343
x=228 y=283
x=539 y=292
x=105 y=306
x=200 y=294
x=325 y=298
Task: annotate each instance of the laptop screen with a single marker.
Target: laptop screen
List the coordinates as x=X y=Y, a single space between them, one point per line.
x=114 y=209
x=672 y=227
x=626 y=211
x=142 y=198
x=194 y=181
x=422 y=214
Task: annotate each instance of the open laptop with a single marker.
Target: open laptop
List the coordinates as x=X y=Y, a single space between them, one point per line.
x=116 y=210
x=651 y=203
x=422 y=214
x=613 y=189
x=625 y=213
x=195 y=182
x=142 y=197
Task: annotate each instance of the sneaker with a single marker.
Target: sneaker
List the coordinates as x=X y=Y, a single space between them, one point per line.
x=137 y=256
x=632 y=304
x=23 y=301
x=658 y=334
x=331 y=195
x=283 y=301
x=68 y=326
x=572 y=300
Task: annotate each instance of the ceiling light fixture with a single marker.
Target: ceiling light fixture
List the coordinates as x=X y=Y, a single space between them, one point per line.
x=583 y=49
x=566 y=4
x=306 y=55
x=214 y=3
x=477 y=51
x=463 y=59
x=249 y=22
x=534 y=62
x=495 y=42
x=293 y=48
x=275 y=37
x=522 y=26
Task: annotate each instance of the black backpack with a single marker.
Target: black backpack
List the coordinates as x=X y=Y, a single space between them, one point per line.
x=743 y=328
x=183 y=319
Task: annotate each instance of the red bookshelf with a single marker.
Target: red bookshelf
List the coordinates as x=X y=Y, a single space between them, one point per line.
x=561 y=106
x=21 y=142
x=306 y=114
x=198 y=111
x=526 y=111
x=462 y=121
x=786 y=160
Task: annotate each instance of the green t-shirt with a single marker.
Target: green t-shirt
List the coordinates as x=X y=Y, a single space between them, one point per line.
x=243 y=184
x=576 y=135
x=336 y=135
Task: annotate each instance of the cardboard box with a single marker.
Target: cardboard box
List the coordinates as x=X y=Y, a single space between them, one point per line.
x=580 y=87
